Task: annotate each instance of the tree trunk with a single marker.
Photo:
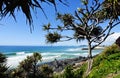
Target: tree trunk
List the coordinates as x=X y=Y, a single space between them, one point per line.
x=89 y=51
x=89 y=59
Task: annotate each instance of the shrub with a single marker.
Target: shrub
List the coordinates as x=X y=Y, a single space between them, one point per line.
x=46 y=71
x=68 y=73
x=79 y=73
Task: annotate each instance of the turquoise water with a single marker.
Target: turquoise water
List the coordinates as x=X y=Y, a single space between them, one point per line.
x=15 y=54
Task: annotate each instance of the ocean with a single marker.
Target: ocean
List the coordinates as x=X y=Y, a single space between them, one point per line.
x=16 y=54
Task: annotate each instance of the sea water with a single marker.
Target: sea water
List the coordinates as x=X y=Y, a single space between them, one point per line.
x=15 y=54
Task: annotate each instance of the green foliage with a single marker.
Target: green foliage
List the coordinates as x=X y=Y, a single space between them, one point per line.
x=46 y=27
x=2 y=58
x=112 y=8
x=79 y=73
x=30 y=62
x=106 y=63
x=53 y=37
x=96 y=31
x=66 y=19
x=28 y=67
x=46 y=71
x=3 y=67
x=111 y=50
x=85 y=2
x=68 y=73
x=108 y=51
x=25 y=6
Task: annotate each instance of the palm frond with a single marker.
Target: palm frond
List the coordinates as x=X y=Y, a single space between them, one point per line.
x=8 y=7
x=53 y=37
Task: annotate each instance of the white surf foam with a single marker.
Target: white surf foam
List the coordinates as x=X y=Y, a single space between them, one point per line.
x=13 y=61
x=20 y=53
x=50 y=58
x=74 y=49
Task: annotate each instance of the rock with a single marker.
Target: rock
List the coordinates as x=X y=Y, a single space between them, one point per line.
x=118 y=42
x=59 y=65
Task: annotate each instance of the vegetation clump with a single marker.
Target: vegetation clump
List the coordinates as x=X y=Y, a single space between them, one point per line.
x=106 y=63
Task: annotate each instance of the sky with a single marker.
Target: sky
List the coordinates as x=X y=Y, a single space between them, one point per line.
x=18 y=33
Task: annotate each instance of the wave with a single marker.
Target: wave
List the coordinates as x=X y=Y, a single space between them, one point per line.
x=51 y=53
x=74 y=49
x=13 y=61
x=50 y=58
x=9 y=54
x=17 y=53
x=20 y=53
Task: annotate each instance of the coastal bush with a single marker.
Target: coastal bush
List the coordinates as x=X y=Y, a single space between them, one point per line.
x=46 y=71
x=79 y=73
x=68 y=73
x=108 y=62
x=28 y=67
x=111 y=50
x=107 y=52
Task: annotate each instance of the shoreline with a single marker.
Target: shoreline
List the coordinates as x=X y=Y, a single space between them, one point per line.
x=59 y=65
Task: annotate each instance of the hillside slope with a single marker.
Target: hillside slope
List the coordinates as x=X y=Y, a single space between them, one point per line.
x=105 y=65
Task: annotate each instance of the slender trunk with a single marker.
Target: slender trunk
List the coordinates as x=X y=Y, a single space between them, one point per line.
x=89 y=59
x=89 y=51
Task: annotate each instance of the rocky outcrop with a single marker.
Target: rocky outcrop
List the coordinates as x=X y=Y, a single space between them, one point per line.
x=118 y=42
x=59 y=65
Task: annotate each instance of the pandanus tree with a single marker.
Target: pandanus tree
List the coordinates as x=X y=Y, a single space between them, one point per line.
x=90 y=22
x=28 y=67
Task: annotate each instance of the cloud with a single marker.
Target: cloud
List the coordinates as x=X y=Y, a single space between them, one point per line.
x=111 y=39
